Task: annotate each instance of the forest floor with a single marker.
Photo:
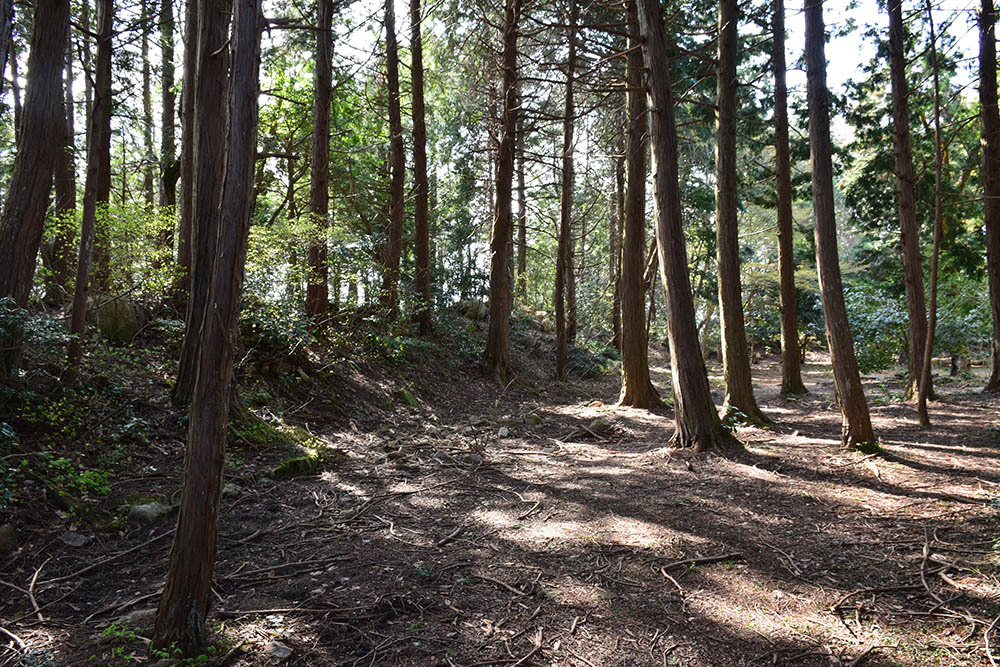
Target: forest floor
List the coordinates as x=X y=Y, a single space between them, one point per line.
x=458 y=532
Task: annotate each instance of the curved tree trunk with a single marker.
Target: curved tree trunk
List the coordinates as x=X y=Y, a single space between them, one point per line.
x=497 y=355
x=421 y=231
x=317 y=290
x=913 y=275
x=184 y=604
x=23 y=215
x=397 y=162
x=695 y=415
x=637 y=389
x=564 y=273
x=991 y=171
x=735 y=352
x=857 y=425
x=209 y=144
x=791 y=363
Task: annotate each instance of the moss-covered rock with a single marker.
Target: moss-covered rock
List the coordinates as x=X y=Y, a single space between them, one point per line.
x=295 y=466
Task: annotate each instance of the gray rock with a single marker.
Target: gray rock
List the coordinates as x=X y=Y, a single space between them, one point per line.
x=139 y=618
x=149 y=512
x=503 y=432
x=278 y=651
x=73 y=539
x=232 y=489
x=8 y=538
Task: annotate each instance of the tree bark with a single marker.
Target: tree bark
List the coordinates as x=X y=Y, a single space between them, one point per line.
x=184 y=604
x=857 y=426
x=97 y=187
x=695 y=415
x=791 y=363
x=145 y=14
x=421 y=232
x=209 y=143
x=184 y=249
x=6 y=35
x=735 y=352
x=23 y=216
x=397 y=162
x=522 y=204
x=637 y=389
x=615 y=248
x=564 y=259
x=169 y=169
x=927 y=355
x=317 y=290
x=990 y=119
x=497 y=355
x=912 y=264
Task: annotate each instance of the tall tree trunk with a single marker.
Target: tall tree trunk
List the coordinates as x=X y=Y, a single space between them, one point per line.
x=185 y=255
x=522 y=204
x=169 y=169
x=187 y=593
x=57 y=255
x=857 y=425
x=209 y=143
x=145 y=16
x=735 y=352
x=23 y=216
x=421 y=232
x=637 y=390
x=6 y=35
x=497 y=355
x=928 y=349
x=97 y=187
x=695 y=415
x=615 y=248
x=990 y=119
x=397 y=162
x=912 y=271
x=317 y=290
x=791 y=364
x=564 y=260
x=15 y=89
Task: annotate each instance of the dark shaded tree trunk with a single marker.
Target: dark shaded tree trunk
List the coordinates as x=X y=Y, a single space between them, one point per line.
x=184 y=604
x=913 y=275
x=497 y=355
x=56 y=255
x=6 y=35
x=169 y=169
x=209 y=143
x=857 y=426
x=96 y=189
x=735 y=352
x=695 y=415
x=23 y=216
x=421 y=231
x=637 y=389
x=15 y=90
x=184 y=251
x=927 y=353
x=317 y=290
x=990 y=119
x=397 y=169
x=564 y=273
x=791 y=363
x=615 y=248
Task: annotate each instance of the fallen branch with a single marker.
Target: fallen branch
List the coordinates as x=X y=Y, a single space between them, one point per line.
x=105 y=561
x=703 y=561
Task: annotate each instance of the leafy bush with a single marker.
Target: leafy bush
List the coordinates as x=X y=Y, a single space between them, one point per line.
x=879 y=324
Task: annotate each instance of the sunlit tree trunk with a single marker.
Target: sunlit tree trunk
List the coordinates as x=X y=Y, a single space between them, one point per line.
x=397 y=162
x=564 y=260
x=23 y=216
x=735 y=352
x=990 y=120
x=208 y=144
x=421 y=231
x=317 y=290
x=697 y=421
x=187 y=593
x=857 y=426
x=97 y=187
x=791 y=363
x=927 y=355
x=637 y=390
x=912 y=271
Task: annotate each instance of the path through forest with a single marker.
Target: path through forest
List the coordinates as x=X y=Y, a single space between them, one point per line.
x=457 y=534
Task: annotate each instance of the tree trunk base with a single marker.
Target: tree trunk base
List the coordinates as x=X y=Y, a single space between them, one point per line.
x=793 y=387
x=703 y=440
x=646 y=400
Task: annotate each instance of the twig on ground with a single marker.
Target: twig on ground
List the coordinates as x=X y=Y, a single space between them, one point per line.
x=703 y=561
x=986 y=638
x=503 y=585
x=17 y=640
x=105 y=561
x=31 y=590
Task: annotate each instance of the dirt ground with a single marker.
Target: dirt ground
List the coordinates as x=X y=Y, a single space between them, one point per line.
x=457 y=534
